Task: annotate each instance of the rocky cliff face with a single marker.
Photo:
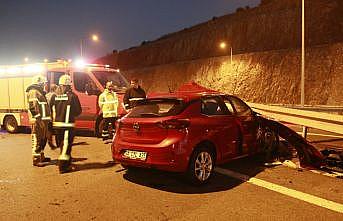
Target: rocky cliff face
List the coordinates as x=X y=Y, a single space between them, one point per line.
x=262 y=77
x=266 y=62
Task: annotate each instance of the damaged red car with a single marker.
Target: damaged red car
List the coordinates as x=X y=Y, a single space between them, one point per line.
x=190 y=131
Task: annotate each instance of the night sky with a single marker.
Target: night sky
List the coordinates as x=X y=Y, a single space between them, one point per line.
x=40 y=29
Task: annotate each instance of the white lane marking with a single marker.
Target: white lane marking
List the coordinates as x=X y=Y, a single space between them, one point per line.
x=337 y=207
x=322 y=135
x=10 y=181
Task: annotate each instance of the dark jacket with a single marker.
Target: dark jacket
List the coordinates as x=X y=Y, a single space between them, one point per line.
x=38 y=105
x=132 y=95
x=65 y=107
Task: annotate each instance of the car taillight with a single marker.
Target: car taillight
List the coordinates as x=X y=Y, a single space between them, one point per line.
x=174 y=124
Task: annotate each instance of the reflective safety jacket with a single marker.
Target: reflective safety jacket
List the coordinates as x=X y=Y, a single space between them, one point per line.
x=38 y=105
x=65 y=108
x=132 y=96
x=108 y=103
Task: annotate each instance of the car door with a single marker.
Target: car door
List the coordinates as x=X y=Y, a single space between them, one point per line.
x=220 y=125
x=87 y=91
x=247 y=122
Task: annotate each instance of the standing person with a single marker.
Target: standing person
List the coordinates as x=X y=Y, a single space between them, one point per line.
x=53 y=89
x=65 y=106
x=133 y=94
x=48 y=96
x=40 y=115
x=108 y=103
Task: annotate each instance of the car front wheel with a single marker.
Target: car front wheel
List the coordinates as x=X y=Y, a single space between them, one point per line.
x=201 y=166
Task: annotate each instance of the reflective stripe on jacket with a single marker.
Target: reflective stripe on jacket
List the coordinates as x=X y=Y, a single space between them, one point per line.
x=65 y=108
x=132 y=96
x=108 y=103
x=38 y=105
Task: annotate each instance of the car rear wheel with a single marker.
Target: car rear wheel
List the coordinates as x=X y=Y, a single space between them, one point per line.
x=11 y=124
x=201 y=166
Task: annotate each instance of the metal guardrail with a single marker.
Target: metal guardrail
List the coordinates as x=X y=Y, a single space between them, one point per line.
x=313 y=119
x=317 y=108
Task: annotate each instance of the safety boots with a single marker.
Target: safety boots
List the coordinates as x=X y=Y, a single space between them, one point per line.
x=44 y=159
x=40 y=161
x=64 y=166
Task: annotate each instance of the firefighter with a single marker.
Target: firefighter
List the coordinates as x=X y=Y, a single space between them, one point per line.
x=133 y=94
x=40 y=116
x=48 y=96
x=65 y=106
x=108 y=103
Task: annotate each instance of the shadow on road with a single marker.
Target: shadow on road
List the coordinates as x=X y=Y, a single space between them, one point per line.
x=92 y=166
x=84 y=133
x=81 y=133
x=84 y=166
x=177 y=183
x=80 y=143
x=76 y=159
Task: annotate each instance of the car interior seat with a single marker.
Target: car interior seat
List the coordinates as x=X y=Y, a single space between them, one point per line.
x=211 y=108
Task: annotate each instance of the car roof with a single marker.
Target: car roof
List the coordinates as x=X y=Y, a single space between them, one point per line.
x=187 y=92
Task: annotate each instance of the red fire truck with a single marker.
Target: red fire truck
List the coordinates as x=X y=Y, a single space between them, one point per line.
x=88 y=82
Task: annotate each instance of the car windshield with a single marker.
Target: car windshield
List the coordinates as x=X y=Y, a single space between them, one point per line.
x=120 y=83
x=157 y=108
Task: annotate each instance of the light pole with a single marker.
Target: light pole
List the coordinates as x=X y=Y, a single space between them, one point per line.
x=94 y=38
x=302 y=81
x=303 y=54
x=222 y=45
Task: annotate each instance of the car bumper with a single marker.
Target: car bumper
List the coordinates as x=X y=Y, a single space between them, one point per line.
x=169 y=158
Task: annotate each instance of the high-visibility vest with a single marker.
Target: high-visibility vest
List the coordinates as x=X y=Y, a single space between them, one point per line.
x=108 y=103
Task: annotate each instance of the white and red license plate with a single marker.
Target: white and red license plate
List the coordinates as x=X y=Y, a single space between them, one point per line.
x=135 y=155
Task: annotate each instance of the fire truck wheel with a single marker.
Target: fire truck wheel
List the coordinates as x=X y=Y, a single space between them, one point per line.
x=11 y=124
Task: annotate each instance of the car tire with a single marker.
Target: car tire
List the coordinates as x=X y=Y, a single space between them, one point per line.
x=11 y=124
x=201 y=166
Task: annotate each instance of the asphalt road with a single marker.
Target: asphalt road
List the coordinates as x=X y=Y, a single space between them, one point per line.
x=99 y=189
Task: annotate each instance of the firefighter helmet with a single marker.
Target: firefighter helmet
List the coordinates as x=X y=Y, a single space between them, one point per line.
x=39 y=79
x=64 y=80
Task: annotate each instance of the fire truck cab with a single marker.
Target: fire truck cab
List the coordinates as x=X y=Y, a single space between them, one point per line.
x=88 y=82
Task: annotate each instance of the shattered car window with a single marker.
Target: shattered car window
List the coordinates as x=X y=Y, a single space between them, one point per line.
x=213 y=106
x=241 y=108
x=157 y=108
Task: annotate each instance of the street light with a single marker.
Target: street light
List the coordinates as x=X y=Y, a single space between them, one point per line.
x=223 y=45
x=94 y=38
x=26 y=59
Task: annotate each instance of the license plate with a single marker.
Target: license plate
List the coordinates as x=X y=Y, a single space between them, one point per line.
x=135 y=155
